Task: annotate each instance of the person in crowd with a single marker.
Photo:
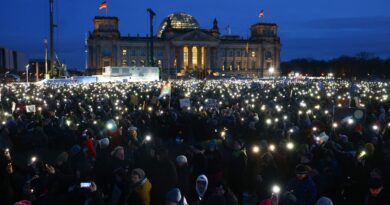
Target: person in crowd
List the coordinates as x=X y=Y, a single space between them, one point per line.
x=97 y=133
x=302 y=186
x=175 y=197
x=376 y=195
x=139 y=193
x=183 y=174
x=222 y=195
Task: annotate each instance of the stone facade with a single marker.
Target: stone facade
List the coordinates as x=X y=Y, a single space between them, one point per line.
x=181 y=47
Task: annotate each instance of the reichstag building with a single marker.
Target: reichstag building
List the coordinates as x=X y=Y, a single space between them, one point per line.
x=182 y=47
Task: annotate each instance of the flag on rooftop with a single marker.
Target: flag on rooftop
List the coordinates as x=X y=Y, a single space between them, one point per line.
x=103 y=5
x=261 y=14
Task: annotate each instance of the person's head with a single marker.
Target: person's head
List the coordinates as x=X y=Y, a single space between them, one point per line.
x=375 y=186
x=181 y=160
x=174 y=197
x=301 y=171
x=133 y=132
x=201 y=184
x=118 y=153
x=104 y=143
x=324 y=201
x=220 y=189
x=137 y=175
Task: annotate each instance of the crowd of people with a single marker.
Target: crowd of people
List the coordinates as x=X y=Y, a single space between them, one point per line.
x=216 y=142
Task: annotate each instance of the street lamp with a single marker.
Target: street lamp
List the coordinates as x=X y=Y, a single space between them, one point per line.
x=271 y=71
x=27 y=67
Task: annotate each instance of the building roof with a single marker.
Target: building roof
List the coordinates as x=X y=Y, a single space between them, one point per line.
x=106 y=17
x=264 y=24
x=178 y=21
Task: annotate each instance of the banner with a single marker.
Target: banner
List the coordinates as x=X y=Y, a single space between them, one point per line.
x=211 y=103
x=185 y=102
x=30 y=108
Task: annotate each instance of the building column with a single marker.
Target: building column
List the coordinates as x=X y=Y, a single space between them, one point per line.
x=277 y=61
x=200 y=63
x=207 y=58
x=261 y=61
x=190 y=66
x=114 y=56
x=234 y=60
x=172 y=56
x=92 y=56
x=180 y=61
x=98 y=60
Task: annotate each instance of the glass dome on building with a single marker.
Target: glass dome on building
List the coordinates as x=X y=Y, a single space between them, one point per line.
x=179 y=21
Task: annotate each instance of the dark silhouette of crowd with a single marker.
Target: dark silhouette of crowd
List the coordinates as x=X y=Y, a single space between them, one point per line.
x=238 y=142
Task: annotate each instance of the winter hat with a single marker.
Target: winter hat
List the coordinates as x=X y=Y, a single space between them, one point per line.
x=116 y=149
x=23 y=202
x=63 y=157
x=302 y=169
x=201 y=179
x=324 y=201
x=375 y=183
x=174 y=195
x=181 y=159
x=343 y=138
x=138 y=172
x=104 y=143
x=132 y=128
x=75 y=149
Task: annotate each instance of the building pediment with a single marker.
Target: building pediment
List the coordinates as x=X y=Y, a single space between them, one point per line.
x=195 y=37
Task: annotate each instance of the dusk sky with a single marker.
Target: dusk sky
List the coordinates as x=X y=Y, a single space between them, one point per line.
x=320 y=29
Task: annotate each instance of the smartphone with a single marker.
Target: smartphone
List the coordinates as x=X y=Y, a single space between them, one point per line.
x=85 y=184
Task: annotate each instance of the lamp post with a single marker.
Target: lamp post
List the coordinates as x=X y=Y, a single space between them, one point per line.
x=271 y=71
x=47 y=76
x=27 y=67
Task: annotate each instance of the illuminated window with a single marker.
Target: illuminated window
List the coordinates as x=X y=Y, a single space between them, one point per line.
x=124 y=57
x=159 y=62
x=203 y=56
x=223 y=68
x=195 y=57
x=253 y=54
x=185 y=56
x=238 y=65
